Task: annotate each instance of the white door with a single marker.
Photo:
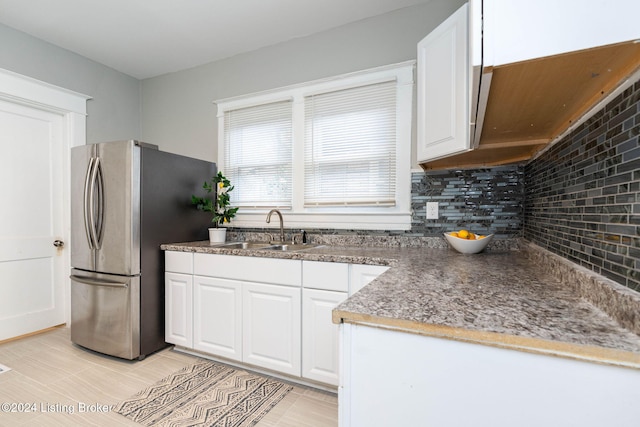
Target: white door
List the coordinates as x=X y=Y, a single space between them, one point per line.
x=32 y=269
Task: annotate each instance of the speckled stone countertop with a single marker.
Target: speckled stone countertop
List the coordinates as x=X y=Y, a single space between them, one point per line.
x=503 y=298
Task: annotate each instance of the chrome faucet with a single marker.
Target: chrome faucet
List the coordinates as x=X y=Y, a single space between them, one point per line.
x=281 y=222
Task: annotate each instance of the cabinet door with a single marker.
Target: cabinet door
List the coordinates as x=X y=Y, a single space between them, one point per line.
x=444 y=70
x=178 y=309
x=516 y=31
x=361 y=275
x=217 y=317
x=320 y=335
x=271 y=327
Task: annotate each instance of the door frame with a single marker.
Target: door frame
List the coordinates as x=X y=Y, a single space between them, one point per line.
x=72 y=106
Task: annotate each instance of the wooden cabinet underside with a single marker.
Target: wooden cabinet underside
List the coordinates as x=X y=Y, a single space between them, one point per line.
x=532 y=102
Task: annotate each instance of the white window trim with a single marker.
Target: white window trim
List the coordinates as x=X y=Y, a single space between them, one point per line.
x=397 y=217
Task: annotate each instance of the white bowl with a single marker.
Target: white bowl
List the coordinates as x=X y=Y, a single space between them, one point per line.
x=468 y=246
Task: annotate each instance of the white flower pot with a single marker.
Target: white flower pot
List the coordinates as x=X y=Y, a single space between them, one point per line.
x=217 y=235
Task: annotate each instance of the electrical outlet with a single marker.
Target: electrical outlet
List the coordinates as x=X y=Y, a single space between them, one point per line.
x=432 y=210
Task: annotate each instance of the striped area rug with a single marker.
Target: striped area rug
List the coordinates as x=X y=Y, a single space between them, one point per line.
x=205 y=394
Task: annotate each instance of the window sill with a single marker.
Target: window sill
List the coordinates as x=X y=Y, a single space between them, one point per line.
x=342 y=221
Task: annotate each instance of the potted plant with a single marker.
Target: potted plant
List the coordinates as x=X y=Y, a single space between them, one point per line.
x=219 y=206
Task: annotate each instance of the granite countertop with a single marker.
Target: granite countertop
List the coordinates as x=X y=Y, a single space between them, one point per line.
x=500 y=298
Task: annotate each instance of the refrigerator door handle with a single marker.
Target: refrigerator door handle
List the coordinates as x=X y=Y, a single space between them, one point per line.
x=95 y=204
x=100 y=192
x=93 y=282
x=87 y=204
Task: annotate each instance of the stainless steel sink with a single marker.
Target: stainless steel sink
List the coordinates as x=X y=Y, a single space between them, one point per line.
x=244 y=245
x=266 y=246
x=292 y=247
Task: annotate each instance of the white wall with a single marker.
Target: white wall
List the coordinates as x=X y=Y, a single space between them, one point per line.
x=178 y=113
x=114 y=110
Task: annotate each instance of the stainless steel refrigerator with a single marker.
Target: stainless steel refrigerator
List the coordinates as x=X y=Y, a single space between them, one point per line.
x=127 y=199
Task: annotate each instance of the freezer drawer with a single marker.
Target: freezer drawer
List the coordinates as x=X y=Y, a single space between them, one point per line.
x=105 y=313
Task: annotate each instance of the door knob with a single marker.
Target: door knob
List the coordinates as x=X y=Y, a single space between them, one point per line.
x=58 y=243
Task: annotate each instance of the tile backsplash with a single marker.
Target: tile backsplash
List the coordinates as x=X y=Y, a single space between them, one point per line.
x=583 y=194
x=484 y=201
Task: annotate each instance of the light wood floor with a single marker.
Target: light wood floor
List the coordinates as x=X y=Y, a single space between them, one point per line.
x=53 y=377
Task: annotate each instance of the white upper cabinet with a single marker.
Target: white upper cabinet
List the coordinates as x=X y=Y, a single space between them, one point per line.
x=517 y=31
x=447 y=89
x=524 y=74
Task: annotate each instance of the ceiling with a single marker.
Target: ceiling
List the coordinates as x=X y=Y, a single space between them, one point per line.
x=146 y=38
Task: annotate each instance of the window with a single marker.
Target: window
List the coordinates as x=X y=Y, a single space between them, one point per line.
x=350 y=146
x=333 y=153
x=257 y=154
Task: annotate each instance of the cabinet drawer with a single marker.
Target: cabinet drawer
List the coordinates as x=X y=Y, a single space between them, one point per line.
x=362 y=275
x=330 y=276
x=253 y=269
x=178 y=262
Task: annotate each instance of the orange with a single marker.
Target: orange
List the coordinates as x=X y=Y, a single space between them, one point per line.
x=454 y=234
x=463 y=234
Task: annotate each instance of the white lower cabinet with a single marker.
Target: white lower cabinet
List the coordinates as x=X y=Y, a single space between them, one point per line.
x=395 y=378
x=330 y=276
x=241 y=319
x=178 y=325
x=362 y=275
x=271 y=327
x=217 y=316
x=269 y=313
x=325 y=285
x=320 y=335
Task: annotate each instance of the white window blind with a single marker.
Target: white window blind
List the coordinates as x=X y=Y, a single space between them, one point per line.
x=350 y=147
x=258 y=154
